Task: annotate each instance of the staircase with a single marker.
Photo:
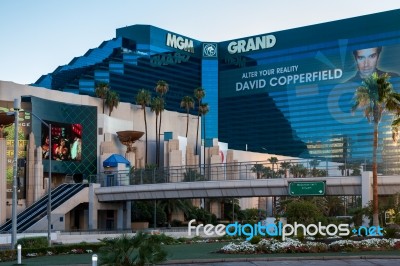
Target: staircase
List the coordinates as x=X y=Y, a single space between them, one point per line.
x=38 y=210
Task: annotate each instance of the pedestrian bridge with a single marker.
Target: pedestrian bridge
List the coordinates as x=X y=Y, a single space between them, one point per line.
x=335 y=186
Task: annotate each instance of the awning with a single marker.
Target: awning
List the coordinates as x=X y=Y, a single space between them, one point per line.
x=114 y=160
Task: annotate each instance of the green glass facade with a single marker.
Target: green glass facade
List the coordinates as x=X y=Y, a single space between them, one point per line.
x=61 y=116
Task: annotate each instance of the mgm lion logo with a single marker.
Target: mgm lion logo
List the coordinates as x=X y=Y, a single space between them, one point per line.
x=210 y=50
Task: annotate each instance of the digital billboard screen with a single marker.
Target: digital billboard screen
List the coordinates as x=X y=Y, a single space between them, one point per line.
x=66 y=141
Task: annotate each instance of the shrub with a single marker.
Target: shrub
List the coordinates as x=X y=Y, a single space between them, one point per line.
x=176 y=223
x=9 y=255
x=33 y=242
x=342 y=246
x=389 y=232
x=255 y=239
x=295 y=213
x=166 y=240
x=140 y=249
x=300 y=235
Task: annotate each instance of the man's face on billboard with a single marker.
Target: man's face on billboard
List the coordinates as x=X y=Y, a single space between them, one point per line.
x=366 y=61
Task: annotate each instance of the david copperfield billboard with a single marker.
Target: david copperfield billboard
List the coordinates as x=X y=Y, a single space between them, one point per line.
x=23 y=132
x=294 y=96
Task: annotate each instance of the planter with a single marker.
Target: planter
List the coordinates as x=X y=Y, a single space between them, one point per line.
x=140 y=225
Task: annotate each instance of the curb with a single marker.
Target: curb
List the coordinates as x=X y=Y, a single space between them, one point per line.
x=195 y=261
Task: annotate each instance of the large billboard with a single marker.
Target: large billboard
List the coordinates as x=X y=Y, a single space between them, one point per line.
x=319 y=68
x=295 y=95
x=23 y=132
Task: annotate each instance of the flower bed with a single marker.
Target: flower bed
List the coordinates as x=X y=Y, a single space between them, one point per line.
x=295 y=246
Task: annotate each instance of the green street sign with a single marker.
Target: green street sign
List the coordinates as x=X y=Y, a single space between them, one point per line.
x=307 y=188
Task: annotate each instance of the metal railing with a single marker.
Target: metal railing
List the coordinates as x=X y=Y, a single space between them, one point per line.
x=218 y=172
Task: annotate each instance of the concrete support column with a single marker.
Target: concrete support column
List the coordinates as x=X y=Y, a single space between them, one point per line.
x=38 y=190
x=93 y=210
x=3 y=180
x=128 y=207
x=120 y=217
x=366 y=188
x=366 y=192
x=269 y=207
x=30 y=172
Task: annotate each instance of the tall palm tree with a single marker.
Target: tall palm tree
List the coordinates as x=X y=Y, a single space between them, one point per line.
x=187 y=103
x=376 y=96
x=112 y=101
x=199 y=94
x=143 y=98
x=157 y=105
x=285 y=166
x=101 y=91
x=298 y=171
x=161 y=88
x=176 y=205
x=258 y=169
x=313 y=164
x=273 y=161
x=203 y=110
x=342 y=168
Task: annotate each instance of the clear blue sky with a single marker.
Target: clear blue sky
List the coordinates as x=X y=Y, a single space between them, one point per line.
x=39 y=35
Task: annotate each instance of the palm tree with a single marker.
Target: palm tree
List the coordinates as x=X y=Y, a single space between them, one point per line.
x=101 y=91
x=313 y=164
x=161 y=88
x=285 y=166
x=187 y=103
x=112 y=101
x=376 y=96
x=140 y=249
x=298 y=170
x=273 y=161
x=157 y=105
x=258 y=169
x=199 y=94
x=143 y=98
x=342 y=168
x=176 y=205
x=203 y=110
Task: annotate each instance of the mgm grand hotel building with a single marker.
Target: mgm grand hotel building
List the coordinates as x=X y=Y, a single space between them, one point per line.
x=287 y=93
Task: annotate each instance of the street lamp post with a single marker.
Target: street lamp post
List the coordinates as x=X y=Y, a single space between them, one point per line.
x=17 y=107
x=49 y=182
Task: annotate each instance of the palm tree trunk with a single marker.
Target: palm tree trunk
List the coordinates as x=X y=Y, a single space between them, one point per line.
x=197 y=131
x=104 y=103
x=156 y=140
x=273 y=170
x=159 y=142
x=375 y=217
x=204 y=148
x=187 y=123
x=145 y=130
